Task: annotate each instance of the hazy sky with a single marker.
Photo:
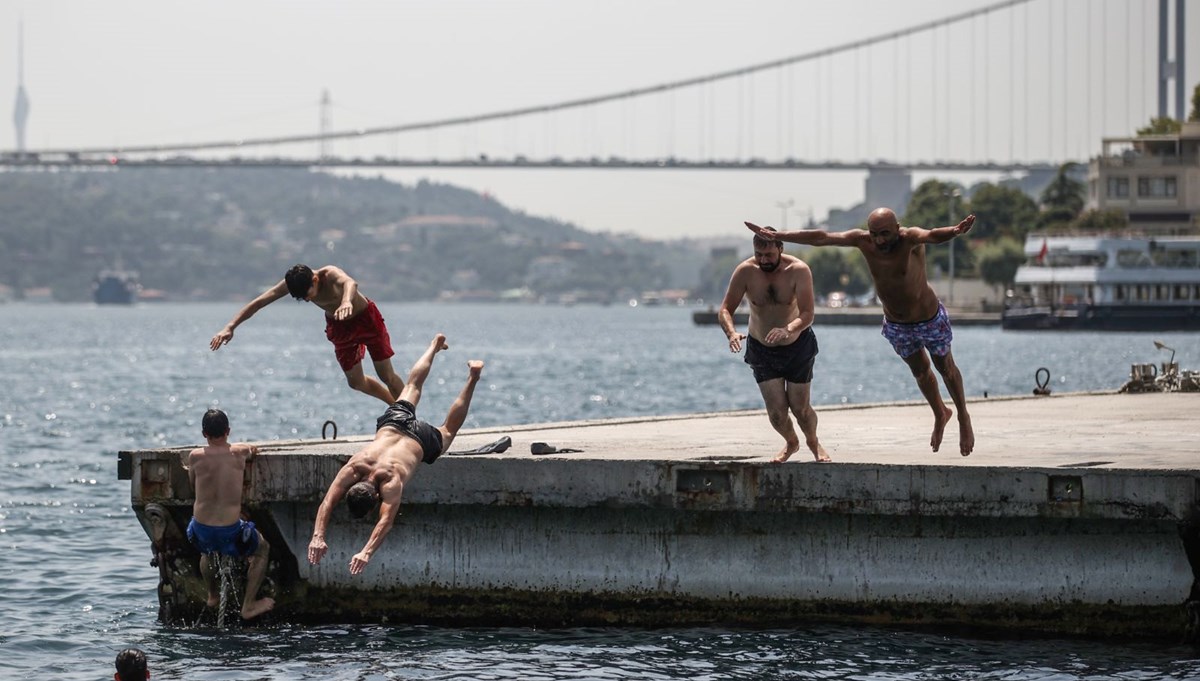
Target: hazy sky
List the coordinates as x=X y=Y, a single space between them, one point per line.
x=1041 y=81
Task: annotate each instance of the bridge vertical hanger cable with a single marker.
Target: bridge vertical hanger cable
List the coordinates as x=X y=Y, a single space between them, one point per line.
x=750 y=112
x=1087 y=60
x=1025 y=126
x=908 y=117
x=856 y=83
x=1049 y=81
x=1012 y=91
x=1066 y=83
x=741 y=116
x=987 y=88
x=1128 y=58
x=933 y=110
x=894 y=108
x=1103 y=70
x=944 y=93
x=818 y=118
x=780 y=115
x=973 y=129
x=870 y=107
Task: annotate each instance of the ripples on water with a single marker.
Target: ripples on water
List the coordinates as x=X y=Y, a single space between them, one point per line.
x=80 y=383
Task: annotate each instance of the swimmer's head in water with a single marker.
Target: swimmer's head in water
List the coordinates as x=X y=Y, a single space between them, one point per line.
x=131 y=665
x=361 y=498
x=299 y=281
x=215 y=423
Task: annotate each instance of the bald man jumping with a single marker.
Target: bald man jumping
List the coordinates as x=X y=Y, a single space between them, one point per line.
x=914 y=320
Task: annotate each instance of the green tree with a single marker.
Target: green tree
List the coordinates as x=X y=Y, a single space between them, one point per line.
x=1109 y=220
x=935 y=204
x=1062 y=199
x=998 y=261
x=837 y=269
x=1195 y=114
x=1002 y=210
x=1164 y=125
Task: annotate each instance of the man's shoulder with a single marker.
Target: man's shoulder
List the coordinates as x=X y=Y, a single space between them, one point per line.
x=794 y=265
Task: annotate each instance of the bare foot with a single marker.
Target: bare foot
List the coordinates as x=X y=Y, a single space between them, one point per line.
x=439 y=343
x=476 y=367
x=820 y=455
x=939 y=427
x=966 y=436
x=214 y=601
x=786 y=453
x=252 y=610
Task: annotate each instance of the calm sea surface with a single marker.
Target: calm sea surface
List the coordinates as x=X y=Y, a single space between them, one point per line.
x=78 y=383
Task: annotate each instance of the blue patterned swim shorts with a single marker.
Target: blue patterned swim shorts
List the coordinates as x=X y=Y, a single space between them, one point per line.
x=934 y=334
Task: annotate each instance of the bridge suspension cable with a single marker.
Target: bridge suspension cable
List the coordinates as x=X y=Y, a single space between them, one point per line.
x=559 y=106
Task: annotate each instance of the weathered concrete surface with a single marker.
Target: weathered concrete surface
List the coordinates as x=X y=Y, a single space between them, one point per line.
x=1075 y=514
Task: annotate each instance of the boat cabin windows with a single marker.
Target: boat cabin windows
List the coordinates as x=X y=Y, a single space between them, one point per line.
x=1175 y=258
x=1155 y=293
x=1061 y=259
x=1118 y=187
x=1133 y=258
x=1156 y=187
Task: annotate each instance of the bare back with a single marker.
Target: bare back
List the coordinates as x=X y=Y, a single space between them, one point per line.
x=217 y=472
x=389 y=456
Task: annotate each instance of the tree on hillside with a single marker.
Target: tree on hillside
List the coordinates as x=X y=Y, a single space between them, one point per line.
x=1002 y=210
x=1062 y=200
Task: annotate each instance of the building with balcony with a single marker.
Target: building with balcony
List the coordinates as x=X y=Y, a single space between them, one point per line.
x=1153 y=179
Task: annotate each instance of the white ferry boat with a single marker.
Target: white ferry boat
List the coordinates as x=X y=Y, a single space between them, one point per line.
x=1111 y=283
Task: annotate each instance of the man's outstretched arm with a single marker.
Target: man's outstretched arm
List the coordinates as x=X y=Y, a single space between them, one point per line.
x=388 y=508
x=940 y=235
x=337 y=489
x=264 y=299
x=808 y=237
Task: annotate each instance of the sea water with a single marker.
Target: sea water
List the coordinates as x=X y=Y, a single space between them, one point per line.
x=79 y=382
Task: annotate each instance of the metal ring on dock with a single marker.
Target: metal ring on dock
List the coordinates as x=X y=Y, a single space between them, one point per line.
x=326 y=426
x=1043 y=386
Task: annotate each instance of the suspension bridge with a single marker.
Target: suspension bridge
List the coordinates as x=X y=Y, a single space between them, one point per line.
x=1017 y=85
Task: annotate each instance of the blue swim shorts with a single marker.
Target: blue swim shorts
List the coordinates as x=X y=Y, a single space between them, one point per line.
x=239 y=539
x=934 y=334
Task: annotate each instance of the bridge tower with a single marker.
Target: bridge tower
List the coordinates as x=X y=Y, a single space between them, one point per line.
x=1168 y=70
x=21 y=110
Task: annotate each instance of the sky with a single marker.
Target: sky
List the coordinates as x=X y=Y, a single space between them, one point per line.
x=1042 y=81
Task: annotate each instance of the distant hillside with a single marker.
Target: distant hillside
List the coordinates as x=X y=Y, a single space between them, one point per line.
x=217 y=234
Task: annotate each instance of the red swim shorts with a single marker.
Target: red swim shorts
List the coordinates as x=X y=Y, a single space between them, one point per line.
x=353 y=338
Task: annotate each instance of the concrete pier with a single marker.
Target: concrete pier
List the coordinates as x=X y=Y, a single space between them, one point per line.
x=1076 y=514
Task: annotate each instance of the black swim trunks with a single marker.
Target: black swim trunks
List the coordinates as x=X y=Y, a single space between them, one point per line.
x=793 y=363
x=402 y=416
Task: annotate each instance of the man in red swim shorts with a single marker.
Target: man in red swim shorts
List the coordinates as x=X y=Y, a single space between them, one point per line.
x=352 y=323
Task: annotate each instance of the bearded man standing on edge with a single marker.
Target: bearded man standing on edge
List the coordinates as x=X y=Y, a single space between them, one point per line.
x=781 y=346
